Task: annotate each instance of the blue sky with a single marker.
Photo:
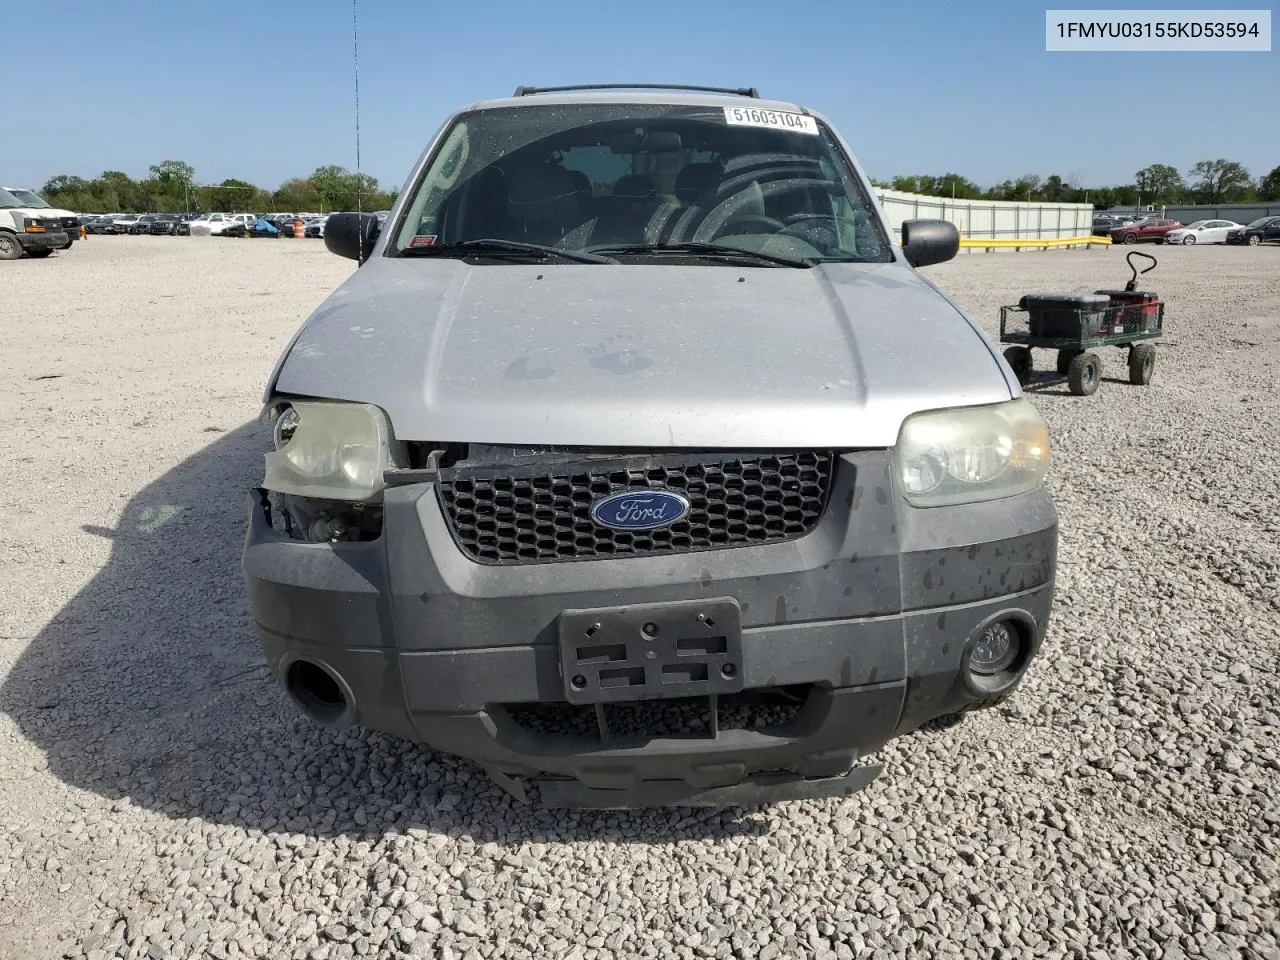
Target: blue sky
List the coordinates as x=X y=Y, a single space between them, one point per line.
x=263 y=90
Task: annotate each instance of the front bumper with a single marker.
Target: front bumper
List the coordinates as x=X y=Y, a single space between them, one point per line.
x=51 y=240
x=872 y=615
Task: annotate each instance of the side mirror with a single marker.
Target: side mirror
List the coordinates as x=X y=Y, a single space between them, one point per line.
x=928 y=241
x=351 y=235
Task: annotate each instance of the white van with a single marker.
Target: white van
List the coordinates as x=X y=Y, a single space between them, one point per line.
x=27 y=229
x=68 y=221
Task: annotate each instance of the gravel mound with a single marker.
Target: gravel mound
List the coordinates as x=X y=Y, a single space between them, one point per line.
x=159 y=799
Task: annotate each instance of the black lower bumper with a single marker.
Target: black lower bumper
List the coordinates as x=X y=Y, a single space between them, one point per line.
x=868 y=622
x=52 y=240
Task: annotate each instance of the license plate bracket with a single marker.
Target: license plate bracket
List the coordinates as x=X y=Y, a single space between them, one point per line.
x=651 y=651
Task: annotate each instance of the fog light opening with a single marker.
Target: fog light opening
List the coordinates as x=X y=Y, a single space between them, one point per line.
x=319 y=693
x=998 y=653
x=995 y=649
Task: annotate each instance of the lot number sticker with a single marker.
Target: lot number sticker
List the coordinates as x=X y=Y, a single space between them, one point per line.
x=776 y=119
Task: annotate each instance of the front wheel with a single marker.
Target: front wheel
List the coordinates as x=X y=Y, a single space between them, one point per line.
x=1255 y=240
x=1084 y=374
x=1187 y=240
x=10 y=248
x=1130 y=238
x=1142 y=361
x=1019 y=360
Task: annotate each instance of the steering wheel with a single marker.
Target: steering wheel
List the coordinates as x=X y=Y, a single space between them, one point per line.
x=755 y=219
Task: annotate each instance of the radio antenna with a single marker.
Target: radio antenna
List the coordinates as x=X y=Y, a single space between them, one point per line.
x=355 y=58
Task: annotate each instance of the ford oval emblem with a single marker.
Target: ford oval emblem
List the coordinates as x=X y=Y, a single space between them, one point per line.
x=640 y=509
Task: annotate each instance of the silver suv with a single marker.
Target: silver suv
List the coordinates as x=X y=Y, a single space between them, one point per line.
x=637 y=462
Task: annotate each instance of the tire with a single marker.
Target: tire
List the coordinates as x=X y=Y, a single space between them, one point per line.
x=1064 y=360
x=1130 y=238
x=1255 y=240
x=1019 y=358
x=10 y=248
x=1084 y=374
x=1188 y=240
x=39 y=254
x=1142 y=361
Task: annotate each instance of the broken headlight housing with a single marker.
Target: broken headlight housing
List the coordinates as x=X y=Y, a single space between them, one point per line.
x=969 y=454
x=329 y=450
x=324 y=479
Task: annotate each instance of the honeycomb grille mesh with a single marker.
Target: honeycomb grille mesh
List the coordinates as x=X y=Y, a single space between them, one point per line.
x=545 y=516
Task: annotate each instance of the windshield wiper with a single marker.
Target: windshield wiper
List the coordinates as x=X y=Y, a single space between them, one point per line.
x=711 y=250
x=507 y=246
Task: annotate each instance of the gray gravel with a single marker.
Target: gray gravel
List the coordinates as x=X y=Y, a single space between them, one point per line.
x=159 y=800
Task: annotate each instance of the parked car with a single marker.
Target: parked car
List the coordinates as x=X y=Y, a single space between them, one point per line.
x=518 y=483
x=99 y=224
x=283 y=222
x=1202 y=231
x=182 y=228
x=216 y=224
x=240 y=224
x=126 y=223
x=264 y=227
x=1150 y=230
x=1262 y=230
x=1103 y=224
x=315 y=227
x=163 y=224
x=143 y=224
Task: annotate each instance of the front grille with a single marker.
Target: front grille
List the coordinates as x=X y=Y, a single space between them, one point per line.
x=542 y=513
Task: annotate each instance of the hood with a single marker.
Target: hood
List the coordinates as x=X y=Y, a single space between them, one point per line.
x=34 y=213
x=644 y=355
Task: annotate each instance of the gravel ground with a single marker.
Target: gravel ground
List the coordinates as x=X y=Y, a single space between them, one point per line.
x=159 y=799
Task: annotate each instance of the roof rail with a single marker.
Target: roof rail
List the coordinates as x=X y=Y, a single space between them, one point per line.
x=736 y=91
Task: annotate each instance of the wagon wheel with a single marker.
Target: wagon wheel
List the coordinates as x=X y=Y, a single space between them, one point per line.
x=1019 y=359
x=1142 y=361
x=1084 y=373
x=1064 y=360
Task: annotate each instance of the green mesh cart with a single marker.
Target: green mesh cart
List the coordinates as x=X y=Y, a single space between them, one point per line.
x=1077 y=325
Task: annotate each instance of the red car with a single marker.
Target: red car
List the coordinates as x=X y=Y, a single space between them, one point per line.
x=1152 y=229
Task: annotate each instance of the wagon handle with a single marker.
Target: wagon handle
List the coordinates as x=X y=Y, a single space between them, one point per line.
x=1133 y=284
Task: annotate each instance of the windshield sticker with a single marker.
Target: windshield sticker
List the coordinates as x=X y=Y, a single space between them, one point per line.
x=775 y=119
x=423 y=240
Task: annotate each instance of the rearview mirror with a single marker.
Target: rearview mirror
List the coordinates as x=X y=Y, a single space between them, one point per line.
x=351 y=235
x=926 y=241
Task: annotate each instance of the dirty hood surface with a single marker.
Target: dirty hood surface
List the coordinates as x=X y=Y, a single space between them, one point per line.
x=644 y=355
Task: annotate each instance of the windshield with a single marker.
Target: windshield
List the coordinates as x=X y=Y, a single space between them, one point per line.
x=585 y=177
x=1261 y=221
x=28 y=199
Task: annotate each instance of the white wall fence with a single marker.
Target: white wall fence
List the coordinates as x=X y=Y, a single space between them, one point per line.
x=991 y=219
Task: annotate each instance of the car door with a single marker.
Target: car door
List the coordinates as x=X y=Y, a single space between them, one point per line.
x=1272 y=230
x=1215 y=231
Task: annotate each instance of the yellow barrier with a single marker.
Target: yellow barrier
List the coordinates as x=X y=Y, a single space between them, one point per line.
x=1032 y=242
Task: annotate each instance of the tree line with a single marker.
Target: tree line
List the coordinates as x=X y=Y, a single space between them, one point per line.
x=171 y=187
x=1209 y=181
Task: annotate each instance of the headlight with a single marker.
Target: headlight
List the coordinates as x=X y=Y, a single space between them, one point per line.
x=331 y=450
x=967 y=454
